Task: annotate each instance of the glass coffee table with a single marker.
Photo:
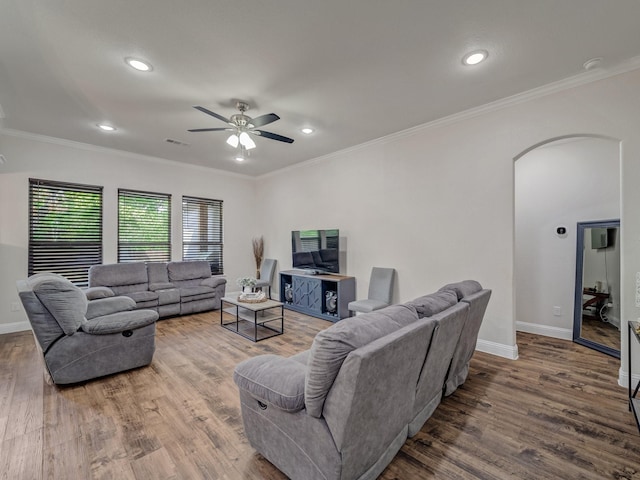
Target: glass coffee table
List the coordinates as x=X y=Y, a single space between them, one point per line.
x=251 y=319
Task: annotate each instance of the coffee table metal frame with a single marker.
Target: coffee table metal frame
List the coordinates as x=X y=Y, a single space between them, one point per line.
x=261 y=316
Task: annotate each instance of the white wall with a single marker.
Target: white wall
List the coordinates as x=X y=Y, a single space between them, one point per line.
x=558 y=184
x=437 y=203
x=30 y=157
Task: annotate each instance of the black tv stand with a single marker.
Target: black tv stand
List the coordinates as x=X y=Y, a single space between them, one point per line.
x=320 y=295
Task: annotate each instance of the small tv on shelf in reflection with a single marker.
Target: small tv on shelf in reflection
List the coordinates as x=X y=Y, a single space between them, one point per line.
x=317 y=251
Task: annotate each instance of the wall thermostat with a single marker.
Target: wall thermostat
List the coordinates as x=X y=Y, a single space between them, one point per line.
x=561 y=231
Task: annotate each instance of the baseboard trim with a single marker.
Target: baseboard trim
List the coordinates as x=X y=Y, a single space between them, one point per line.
x=498 y=349
x=623 y=379
x=14 y=327
x=545 y=330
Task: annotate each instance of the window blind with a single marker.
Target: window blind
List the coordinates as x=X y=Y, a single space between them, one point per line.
x=202 y=237
x=144 y=226
x=65 y=229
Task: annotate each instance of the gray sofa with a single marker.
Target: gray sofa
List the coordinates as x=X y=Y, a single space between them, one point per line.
x=82 y=339
x=174 y=288
x=344 y=408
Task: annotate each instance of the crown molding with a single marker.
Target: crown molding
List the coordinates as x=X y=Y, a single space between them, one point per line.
x=114 y=151
x=583 y=78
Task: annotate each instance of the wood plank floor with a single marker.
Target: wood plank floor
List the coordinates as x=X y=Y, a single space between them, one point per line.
x=556 y=413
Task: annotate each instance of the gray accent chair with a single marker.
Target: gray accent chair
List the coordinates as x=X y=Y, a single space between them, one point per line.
x=380 y=291
x=82 y=339
x=267 y=272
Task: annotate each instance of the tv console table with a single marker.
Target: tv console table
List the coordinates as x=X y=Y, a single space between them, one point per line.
x=323 y=296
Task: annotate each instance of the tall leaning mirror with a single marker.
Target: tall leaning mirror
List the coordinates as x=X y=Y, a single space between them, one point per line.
x=596 y=322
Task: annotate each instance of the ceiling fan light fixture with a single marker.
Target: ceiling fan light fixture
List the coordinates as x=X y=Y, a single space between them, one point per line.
x=307 y=130
x=240 y=157
x=233 y=140
x=246 y=141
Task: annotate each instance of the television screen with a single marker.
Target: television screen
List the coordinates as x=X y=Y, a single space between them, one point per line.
x=317 y=250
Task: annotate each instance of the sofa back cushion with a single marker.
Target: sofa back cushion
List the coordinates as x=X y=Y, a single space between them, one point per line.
x=66 y=302
x=438 y=359
x=122 y=278
x=157 y=272
x=463 y=288
x=468 y=338
x=429 y=305
x=371 y=400
x=331 y=346
x=188 y=274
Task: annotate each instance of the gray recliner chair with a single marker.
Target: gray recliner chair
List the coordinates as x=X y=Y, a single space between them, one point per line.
x=81 y=339
x=380 y=291
x=267 y=271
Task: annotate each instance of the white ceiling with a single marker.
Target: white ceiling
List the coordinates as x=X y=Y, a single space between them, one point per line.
x=355 y=70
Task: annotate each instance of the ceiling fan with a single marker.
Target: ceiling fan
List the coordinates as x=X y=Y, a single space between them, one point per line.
x=242 y=127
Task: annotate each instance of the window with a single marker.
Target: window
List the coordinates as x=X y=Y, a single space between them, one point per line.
x=144 y=226
x=65 y=229
x=202 y=231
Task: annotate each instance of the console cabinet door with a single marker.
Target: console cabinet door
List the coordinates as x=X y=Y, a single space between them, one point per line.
x=307 y=293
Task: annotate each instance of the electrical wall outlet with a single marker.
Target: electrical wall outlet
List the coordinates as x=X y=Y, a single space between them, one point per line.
x=557 y=311
x=15 y=307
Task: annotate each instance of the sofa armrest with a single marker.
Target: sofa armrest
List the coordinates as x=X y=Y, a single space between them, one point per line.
x=272 y=379
x=154 y=287
x=120 y=322
x=213 y=282
x=94 y=293
x=107 y=306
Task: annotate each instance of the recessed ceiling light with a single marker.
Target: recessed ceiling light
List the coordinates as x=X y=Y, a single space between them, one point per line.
x=106 y=128
x=138 y=64
x=307 y=130
x=475 y=57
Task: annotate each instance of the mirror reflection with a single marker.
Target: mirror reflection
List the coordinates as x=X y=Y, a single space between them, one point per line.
x=597 y=317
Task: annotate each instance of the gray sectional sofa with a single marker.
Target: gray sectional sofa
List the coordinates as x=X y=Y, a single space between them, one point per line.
x=174 y=288
x=344 y=408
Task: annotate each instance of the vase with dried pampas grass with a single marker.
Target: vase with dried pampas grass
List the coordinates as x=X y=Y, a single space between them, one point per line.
x=258 y=253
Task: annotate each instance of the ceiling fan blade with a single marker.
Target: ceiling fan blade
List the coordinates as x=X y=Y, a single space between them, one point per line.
x=210 y=130
x=264 y=119
x=213 y=114
x=272 y=136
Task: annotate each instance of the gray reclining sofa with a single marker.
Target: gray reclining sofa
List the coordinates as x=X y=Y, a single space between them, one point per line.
x=174 y=288
x=344 y=408
x=82 y=339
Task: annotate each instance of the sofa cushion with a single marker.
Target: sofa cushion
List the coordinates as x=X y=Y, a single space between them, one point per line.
x=429 y=305
x=143 y=296
x=154 y=287
x=120 y=277
x=464 y=288
x=107 y=306
x=167 y=297
x=157 y=272
x=331 y=346
x=181 y=271
x=95 y=293
x=119 y=322
x=200 y=291
x=66 y=302
x=273 y=379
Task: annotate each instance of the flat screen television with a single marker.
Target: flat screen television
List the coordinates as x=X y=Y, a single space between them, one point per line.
x=317 y=251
